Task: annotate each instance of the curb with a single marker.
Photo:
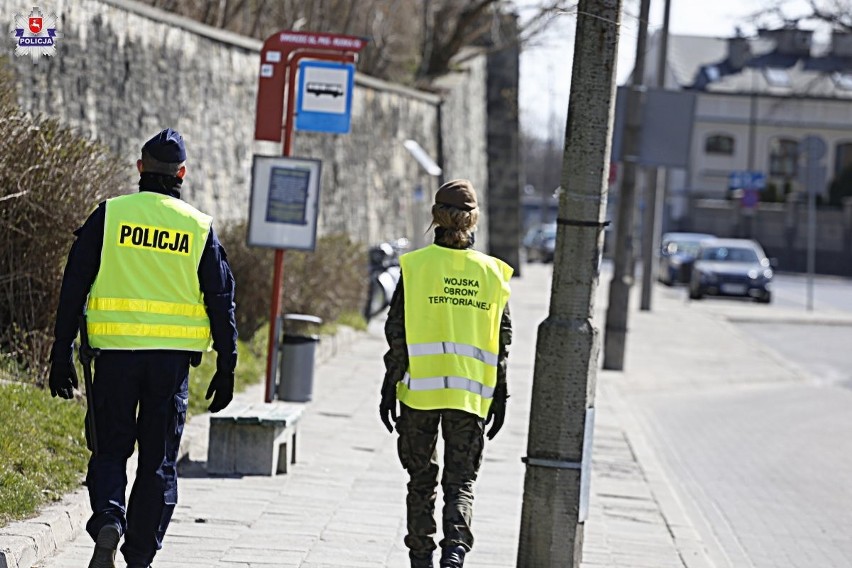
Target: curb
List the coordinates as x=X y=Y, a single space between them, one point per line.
x=792 y=320
x=25 y=543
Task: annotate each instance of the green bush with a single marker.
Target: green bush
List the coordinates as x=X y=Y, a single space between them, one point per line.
x=330 y=282
x=50 y=179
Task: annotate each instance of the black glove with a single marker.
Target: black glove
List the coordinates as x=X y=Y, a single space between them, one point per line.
x=387 y=407
x=63 y=375
x=497 y=412
x=222 y=385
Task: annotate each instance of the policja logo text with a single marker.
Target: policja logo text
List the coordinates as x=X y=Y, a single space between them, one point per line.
x=157 y=238
x=34 y=35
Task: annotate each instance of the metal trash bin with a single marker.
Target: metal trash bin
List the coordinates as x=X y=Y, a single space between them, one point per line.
x=298 y=348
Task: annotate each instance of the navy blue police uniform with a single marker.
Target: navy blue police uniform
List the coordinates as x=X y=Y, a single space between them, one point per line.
x=141 y=395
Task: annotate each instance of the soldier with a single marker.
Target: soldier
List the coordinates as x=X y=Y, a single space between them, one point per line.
x=448 y=331
x=160 y=291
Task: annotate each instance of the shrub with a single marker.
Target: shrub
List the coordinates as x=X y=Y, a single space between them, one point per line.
x=329 y=282
x=50 y=179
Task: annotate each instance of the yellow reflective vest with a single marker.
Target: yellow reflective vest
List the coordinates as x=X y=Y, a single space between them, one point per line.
x=454 y=301
x=146 y=294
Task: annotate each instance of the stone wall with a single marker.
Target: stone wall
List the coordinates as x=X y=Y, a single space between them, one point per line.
x=125 y=70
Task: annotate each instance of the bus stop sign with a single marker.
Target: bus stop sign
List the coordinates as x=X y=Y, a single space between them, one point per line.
x=276 y=57
x=325 y=96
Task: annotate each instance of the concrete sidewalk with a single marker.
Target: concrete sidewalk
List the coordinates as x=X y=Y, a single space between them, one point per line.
x=343 y=503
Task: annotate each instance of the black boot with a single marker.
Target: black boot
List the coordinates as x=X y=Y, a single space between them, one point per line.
x=453 y=557
x=421 y=560
x=105 y=547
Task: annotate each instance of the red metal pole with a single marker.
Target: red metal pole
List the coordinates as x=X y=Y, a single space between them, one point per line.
x=277 y=276
x=278 y=268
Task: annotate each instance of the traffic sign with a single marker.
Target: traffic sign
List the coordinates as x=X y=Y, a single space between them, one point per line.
x=814 y=148
x=746 y=179
x=325 y=96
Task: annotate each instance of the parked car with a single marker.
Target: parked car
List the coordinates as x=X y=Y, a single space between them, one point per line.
x=539 y=243
x=677 y=254
x=731 y=267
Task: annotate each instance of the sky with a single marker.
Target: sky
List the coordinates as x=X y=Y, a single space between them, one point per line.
x=546 y=68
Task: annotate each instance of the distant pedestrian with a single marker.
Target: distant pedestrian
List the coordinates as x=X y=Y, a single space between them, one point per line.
x=157 y=291
x=448 y=330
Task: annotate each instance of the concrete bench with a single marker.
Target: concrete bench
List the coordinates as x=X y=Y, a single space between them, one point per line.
x=254 y=439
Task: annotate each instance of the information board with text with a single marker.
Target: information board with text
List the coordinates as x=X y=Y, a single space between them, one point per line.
x=284 y=202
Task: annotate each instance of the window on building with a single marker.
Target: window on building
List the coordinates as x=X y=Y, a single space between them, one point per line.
x=784 y=158
x=721 y=144
x=712 y=73
x=842 y=157
x=843 y=81
x=777 y=77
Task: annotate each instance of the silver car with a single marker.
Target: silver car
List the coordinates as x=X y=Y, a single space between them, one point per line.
x=731 y=267
x=677 y=254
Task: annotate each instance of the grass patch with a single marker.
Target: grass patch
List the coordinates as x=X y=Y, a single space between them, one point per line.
x=354 y=320
x=43 y=451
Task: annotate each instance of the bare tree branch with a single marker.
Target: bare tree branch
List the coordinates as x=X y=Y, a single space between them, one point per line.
x=413 y=41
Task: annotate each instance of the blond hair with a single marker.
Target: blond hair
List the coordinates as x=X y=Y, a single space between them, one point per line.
x=458 y=224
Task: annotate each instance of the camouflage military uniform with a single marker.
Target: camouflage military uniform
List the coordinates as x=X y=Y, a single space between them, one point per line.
x=463 y=435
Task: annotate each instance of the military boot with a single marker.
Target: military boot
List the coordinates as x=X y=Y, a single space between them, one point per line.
x=453 y=557
x=105 y=547
x=421 y=560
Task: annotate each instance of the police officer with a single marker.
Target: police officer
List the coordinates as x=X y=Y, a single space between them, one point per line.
x=157 y=291
x=448 y=330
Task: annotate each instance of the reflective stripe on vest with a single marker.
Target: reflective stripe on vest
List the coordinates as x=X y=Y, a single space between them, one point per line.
x=146 y=294
x=150 y=306
x=148 y=330
x=419 y=349
x=438 y=383
x=454 y=301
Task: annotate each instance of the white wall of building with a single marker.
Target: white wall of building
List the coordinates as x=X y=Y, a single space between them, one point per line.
x=773 y=118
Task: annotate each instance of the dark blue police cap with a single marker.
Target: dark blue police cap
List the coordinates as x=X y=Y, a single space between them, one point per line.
x=167 y=146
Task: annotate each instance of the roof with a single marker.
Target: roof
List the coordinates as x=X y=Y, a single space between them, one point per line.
x=701 y=63
x=686 y=55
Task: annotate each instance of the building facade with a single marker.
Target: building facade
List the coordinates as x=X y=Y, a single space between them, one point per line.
x=755 y=101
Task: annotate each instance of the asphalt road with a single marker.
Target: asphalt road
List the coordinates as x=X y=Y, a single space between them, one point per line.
x=761 y=454
x=829 y=293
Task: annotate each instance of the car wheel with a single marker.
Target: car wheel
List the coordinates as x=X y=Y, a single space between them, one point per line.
x=765 y=299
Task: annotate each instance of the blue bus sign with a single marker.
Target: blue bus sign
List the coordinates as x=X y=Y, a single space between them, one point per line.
x=324 y=101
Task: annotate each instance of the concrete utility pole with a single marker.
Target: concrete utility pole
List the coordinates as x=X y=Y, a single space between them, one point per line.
x=653 y=214
x=561 y=424
x=615 y=336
